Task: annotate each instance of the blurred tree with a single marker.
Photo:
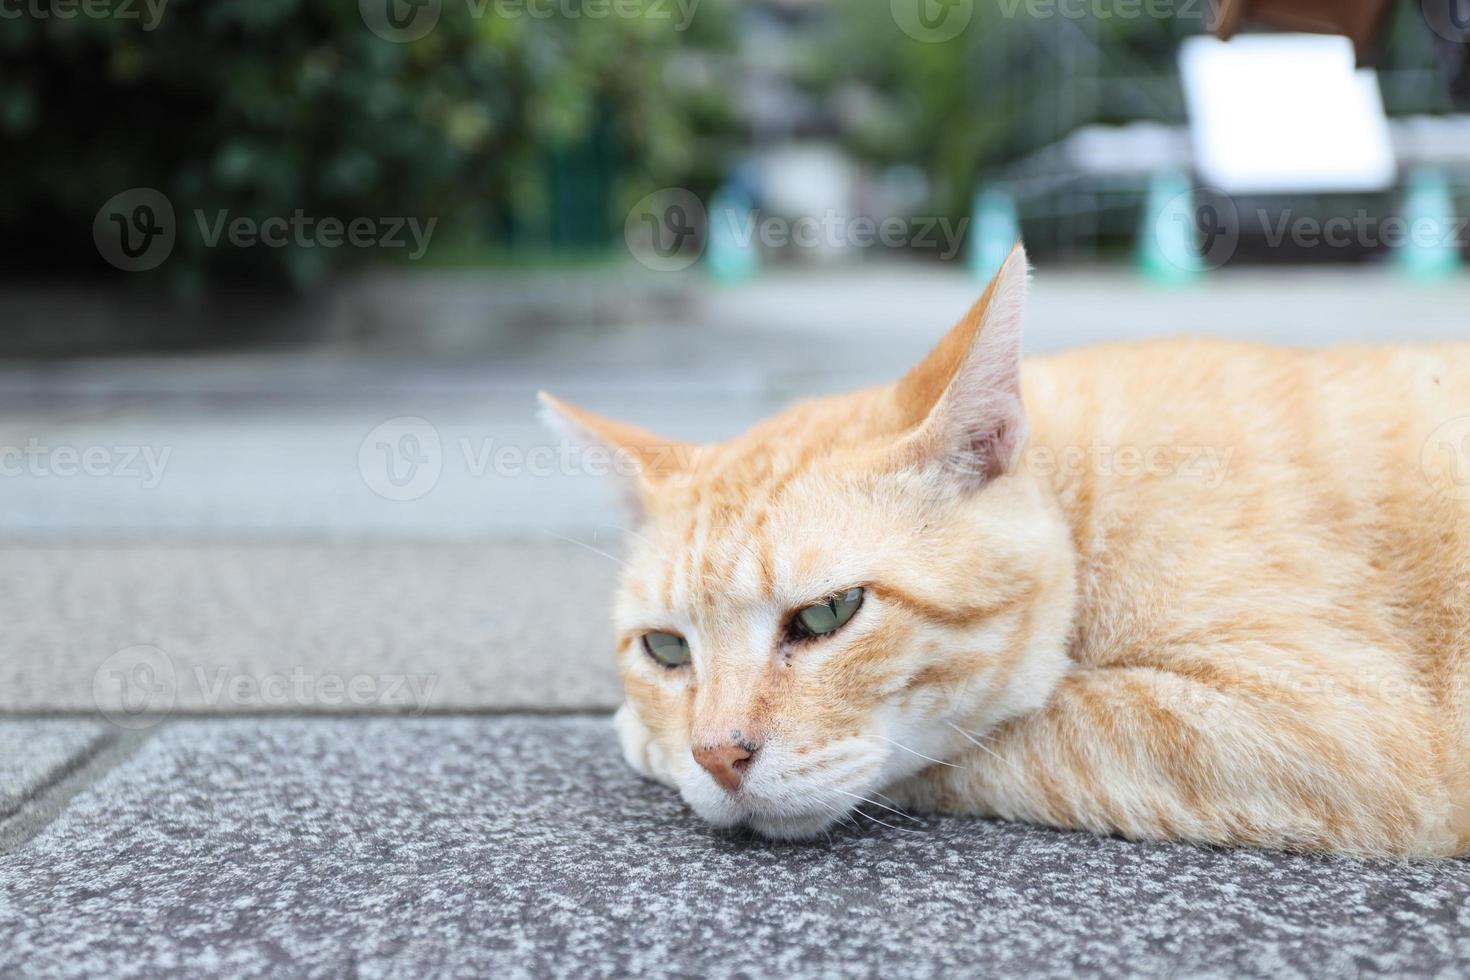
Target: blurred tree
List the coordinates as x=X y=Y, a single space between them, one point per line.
x=513 y=129
x=1011 y=83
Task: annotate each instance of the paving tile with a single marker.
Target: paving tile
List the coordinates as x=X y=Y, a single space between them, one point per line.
x=272 y=467
x=35 y=751
x=283 y=443
x=520 y=847
x=142 y=630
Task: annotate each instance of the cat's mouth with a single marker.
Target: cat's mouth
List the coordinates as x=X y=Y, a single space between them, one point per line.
x=786 y=800
x=783 y=821
x=789 y=817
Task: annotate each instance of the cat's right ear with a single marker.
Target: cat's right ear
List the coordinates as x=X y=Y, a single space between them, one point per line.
x=961 y=406
x=640 y=460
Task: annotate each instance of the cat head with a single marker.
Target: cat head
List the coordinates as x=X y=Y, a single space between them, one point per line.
x=848 y=592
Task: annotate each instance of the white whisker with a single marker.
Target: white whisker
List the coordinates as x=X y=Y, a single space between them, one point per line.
x=937 y=762
x=584 y=544
x=884 y=806
x=985 y=748
x=901 y=830
x=840 y=815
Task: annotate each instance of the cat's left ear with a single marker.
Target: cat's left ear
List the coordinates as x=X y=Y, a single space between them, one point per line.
x=640 y=459
x=962 y=404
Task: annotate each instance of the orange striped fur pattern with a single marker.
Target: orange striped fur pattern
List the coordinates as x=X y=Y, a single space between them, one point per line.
x=1175 y=590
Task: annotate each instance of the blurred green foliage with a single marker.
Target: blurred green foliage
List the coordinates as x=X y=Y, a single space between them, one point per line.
x=526 y=135
x=968 y=108
x=511 y=130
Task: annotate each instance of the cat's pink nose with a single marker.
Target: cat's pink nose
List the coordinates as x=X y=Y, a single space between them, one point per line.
x=726 y=762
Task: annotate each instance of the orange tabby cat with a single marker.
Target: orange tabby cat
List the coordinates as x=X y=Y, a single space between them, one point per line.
x=1193 y=590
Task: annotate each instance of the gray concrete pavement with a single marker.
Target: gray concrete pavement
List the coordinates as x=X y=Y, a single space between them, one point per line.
x=35 y=753
x=521 y=847
x=162 y=629
x=342 y=444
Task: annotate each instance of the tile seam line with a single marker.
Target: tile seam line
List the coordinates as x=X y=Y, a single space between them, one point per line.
x=49 y=801
x=446 y=712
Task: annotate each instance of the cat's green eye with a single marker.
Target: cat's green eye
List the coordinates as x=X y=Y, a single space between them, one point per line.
x=669 y=649
x=825 y=617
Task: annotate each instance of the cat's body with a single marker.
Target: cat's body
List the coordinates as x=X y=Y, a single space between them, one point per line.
x=1272 y=629
x=1221 y=593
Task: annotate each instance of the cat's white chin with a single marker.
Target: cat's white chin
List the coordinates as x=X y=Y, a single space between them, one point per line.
x=774 y=821
x=797 y=828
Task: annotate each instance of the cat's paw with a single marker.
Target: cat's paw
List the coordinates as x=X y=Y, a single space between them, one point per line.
x=640 y=750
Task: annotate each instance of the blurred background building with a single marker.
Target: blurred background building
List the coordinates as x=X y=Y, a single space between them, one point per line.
x=528 y=131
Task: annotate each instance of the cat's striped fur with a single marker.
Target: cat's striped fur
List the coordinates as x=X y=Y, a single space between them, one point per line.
x=1191 y=590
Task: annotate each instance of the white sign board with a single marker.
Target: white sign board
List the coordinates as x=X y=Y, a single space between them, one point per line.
x=1278 y=113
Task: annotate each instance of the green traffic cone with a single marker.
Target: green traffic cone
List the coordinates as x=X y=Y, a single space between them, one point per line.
x=1168 y=251
x=1430 y=248
x=733 y=252
x=997 y=230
